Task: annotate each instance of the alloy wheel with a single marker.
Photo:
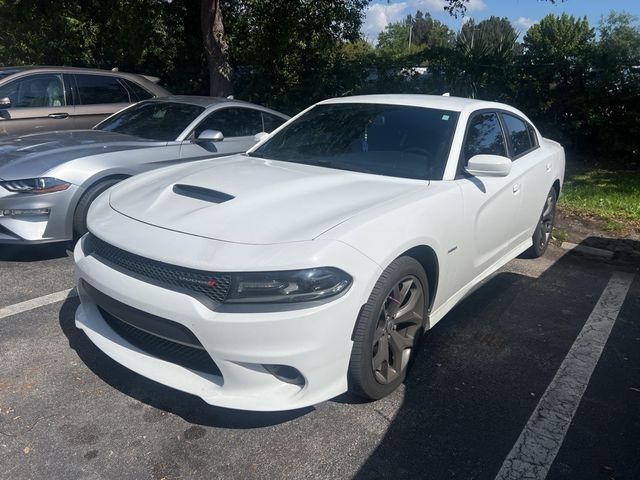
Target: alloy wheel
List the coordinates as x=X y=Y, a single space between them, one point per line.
x=399 y=321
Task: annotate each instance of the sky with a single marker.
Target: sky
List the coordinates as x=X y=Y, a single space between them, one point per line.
x=522 y=13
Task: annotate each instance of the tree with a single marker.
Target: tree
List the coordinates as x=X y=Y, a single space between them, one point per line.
x=287 y=53
x=481 y=62
x=216 y=48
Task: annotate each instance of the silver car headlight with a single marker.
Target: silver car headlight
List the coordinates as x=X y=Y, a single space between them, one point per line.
x=35 y=185
x=287 y=286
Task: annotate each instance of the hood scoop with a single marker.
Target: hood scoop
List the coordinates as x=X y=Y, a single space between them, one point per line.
x=200 y=193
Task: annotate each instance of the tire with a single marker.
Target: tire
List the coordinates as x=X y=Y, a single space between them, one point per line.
x=80 y=214
x=544 y=228
x=392 y=320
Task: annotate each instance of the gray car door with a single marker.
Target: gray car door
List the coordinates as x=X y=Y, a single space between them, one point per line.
x=239 y=125
x=38 y=103
x=97 y=97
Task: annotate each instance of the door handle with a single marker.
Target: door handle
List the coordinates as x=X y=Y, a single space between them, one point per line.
x=516 y=188
x=58 y=115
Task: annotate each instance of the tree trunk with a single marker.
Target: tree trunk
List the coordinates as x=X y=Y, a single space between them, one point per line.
x=216 y=48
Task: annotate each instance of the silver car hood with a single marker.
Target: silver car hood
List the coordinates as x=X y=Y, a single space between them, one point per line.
x=253 y=201
x=33 y=155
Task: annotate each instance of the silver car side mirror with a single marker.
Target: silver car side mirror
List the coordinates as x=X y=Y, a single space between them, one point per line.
x=258 y=137
x=210 y=136
x=5 y=102
x=488 y=166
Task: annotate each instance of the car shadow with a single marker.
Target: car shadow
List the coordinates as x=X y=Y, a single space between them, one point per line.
x=479 y=374
x=35 y=253
x=189 y=407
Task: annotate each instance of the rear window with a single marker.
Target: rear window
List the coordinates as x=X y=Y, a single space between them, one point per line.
x=139 y=92
x=519 y=135
x=97 y=89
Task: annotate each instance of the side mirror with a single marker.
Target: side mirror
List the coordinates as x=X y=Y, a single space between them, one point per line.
x=5 y=102
x=488 y=166
x=210 y=136
x=258 y=137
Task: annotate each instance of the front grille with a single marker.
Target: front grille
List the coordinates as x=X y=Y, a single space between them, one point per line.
x=213 y=285
x=183 y=355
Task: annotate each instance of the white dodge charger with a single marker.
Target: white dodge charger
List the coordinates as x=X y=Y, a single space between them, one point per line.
x=312 y=264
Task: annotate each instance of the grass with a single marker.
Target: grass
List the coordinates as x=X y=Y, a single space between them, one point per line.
x=560 y=235
x=614 y=195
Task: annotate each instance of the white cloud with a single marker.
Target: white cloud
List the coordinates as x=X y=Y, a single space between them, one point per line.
x=524 y=24
x=379 y=15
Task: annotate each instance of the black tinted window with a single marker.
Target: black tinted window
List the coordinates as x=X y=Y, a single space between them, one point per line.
x=155 y=120
x=233 y=122
x=271 y=122
x=139 y=92
x=518 y=134
x=484 y=136
x=35 y=91
x=96 y=89
x=392 y=140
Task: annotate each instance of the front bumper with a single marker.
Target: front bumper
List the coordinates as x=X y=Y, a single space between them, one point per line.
x=55 y=226
x=315 y=339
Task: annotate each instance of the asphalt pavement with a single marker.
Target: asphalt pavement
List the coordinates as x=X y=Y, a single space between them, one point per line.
x=481 y=381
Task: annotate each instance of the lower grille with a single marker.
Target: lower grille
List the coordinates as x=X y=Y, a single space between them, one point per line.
x=183 y=355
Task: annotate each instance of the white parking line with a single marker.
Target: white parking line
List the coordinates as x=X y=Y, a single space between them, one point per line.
x=536 y=448
x=37 y=302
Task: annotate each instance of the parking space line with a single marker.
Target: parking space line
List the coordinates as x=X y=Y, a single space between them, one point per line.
x=37 y=302
x=536 y=448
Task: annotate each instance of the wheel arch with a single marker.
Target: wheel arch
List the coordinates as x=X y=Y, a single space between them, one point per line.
x=556 y=187
x=428 y=258
x=85 y=189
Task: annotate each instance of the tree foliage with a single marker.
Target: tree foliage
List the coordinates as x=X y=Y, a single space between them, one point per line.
x=580 y=88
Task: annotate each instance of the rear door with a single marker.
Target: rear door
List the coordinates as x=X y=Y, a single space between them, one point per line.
x=97 y=97
x=39 y=103
x=532 y=170
x=239 y=125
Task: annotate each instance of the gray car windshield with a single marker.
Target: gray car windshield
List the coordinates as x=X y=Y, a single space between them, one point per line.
x=392 y=140
x=163 y=121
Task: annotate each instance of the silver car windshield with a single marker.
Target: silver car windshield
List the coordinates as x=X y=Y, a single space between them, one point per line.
x=392 y=140
x=163 y=121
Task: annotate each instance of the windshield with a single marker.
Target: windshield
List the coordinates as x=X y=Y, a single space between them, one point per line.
x=392 y=140
x=155 y=120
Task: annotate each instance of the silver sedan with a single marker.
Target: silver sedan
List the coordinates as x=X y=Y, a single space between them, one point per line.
x=48 y=180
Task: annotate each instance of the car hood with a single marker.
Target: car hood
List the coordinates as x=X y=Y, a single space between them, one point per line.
x=34 y=155
x=250 y=200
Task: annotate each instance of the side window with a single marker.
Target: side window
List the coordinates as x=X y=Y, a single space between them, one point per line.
x=232 y=122
x=518 y=134
x=484 y=136
x=139 y=92
x=96 y=89
x=271 y=122
x=35 y=91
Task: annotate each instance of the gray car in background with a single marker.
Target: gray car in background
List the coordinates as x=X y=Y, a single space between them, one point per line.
x=48 y=180
x=40 y=99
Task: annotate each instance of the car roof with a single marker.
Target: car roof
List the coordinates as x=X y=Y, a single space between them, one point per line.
x=440 y=102
x=11 y=70
x=205 y=101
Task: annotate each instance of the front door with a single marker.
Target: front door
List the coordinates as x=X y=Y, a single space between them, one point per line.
x=491 y=204
x=38 y=104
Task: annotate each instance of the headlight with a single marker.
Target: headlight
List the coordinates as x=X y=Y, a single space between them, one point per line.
x=287 y=286
x=35 y=185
